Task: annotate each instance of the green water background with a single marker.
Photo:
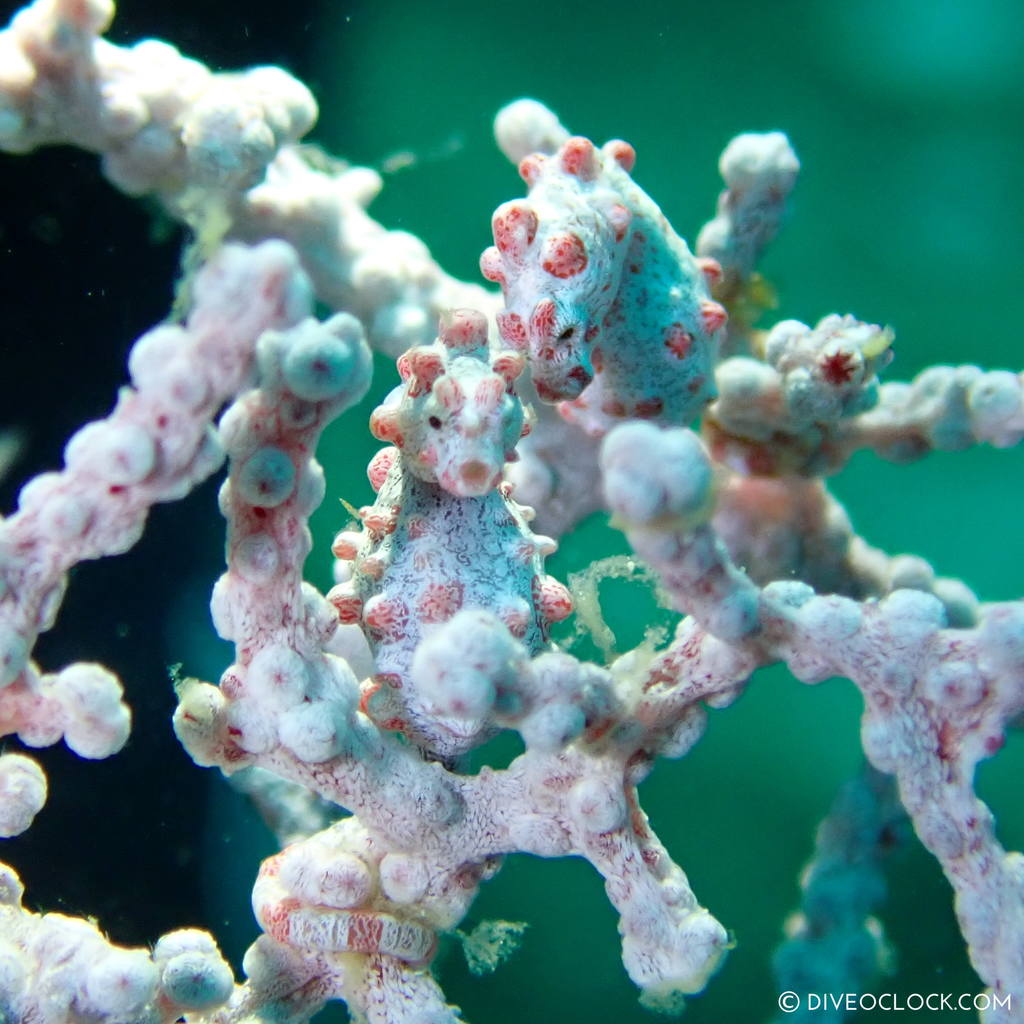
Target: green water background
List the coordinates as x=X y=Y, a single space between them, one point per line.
x=909 y=212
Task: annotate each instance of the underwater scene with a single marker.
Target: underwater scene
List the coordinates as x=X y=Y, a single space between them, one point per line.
x=906 y=214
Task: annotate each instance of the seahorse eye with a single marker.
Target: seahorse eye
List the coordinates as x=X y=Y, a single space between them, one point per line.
x=567 y=334
x=434 y=422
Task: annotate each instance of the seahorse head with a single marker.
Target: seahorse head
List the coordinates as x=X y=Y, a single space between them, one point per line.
x=558 y=256
x=455 y=418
